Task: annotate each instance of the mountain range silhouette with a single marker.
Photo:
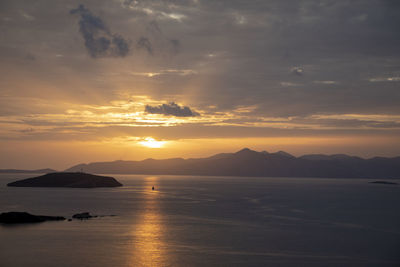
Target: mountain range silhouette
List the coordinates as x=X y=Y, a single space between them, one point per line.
x=247 y=162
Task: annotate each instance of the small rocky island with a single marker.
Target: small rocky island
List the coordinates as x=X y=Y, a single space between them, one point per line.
x=68 y=179
x=83 y=216
x=24 y=217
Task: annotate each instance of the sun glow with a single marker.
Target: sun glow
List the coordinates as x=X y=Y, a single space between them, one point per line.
x=151 y=143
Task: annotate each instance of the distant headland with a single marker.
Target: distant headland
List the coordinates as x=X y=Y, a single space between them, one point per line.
x=68 y=179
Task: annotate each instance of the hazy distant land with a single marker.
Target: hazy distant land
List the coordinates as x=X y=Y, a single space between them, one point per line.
x=26 y=171
x=247 y=162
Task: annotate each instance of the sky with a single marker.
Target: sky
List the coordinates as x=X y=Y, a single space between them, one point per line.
x=85 y=81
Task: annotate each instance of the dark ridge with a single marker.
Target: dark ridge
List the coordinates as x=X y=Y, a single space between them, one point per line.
x=68 y=179
x=247 y=162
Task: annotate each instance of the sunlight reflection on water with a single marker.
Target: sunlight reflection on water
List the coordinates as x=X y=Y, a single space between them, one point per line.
x=149 y=248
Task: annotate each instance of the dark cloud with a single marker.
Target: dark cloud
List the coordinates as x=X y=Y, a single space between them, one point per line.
x=158 y=41
x=171 y=109
x=176 y=45
x=154 y=28
x=99 y=41
x=144 y=43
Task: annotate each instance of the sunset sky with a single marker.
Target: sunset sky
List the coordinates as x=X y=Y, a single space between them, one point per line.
x=85 y=81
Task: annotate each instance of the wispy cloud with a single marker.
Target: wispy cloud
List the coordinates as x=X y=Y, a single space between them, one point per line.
x=27 y=16
x=297 y=70
x=325 y=82
x=289 y=84
x=144 y=43
x=156 y=11
x=179 y=72
x=385 y=79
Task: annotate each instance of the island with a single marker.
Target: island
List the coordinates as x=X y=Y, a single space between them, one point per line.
x=25 y=217
x=68 y=179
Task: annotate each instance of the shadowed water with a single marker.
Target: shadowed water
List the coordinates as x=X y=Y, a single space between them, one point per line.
x=206 y=221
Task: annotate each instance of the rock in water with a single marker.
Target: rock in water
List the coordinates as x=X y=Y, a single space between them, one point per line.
x=68 y=179
x=24 y=217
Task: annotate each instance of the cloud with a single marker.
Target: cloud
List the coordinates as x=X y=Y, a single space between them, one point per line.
x=158 y=41
x=168 y=72
x=289 y=84
x=325 y=82
x=144 y=43
x=99 y=41
x=171 y=109
x=27 y=130
x=306 y=43
x=176 y=45
x=297 y=71
x=157 y=9
x=385 y=79
x=27 y=16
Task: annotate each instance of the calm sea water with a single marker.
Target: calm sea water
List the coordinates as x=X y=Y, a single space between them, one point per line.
x=206 y=221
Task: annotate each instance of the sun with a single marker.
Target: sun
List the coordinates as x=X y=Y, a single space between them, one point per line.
x=151 y=143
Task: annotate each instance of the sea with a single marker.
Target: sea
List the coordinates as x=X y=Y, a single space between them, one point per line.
x=206 y=221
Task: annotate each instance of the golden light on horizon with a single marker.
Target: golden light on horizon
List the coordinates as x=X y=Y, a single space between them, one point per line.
x=152 y=143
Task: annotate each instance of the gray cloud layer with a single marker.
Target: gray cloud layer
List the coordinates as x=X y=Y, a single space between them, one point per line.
x=171 y=109
x=238 y=53
x=99 y=41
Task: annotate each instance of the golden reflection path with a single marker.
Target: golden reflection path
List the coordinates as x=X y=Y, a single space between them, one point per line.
x=149 y=248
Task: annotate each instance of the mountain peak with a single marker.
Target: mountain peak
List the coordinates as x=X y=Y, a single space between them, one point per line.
x=285 y=154
x=246 y=151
